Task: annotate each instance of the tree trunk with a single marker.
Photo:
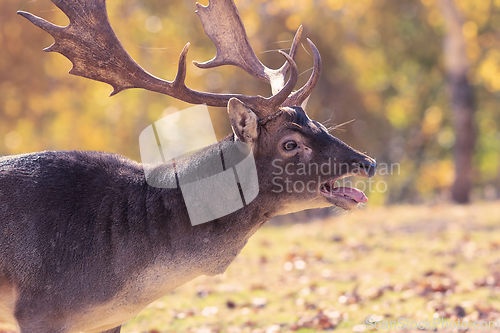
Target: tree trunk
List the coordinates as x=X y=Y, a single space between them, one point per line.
x=462 y=100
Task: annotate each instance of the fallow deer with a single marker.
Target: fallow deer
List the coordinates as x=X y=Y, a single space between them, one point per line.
x=86 y=243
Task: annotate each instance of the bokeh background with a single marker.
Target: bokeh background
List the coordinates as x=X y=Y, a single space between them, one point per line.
x=384 y=66
x=391 y=72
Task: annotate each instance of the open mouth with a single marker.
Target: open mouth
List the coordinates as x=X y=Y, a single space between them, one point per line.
x=341 y=196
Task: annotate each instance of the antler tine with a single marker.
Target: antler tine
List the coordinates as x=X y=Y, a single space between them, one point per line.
x=265 y=107
x=286 y=66
x=46 y=26
x=222 y=23
x=277 y=100
x=300 y=96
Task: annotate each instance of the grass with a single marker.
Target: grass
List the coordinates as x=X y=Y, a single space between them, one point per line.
x=411 y=262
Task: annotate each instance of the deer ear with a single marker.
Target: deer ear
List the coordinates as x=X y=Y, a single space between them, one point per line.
x=244 y=121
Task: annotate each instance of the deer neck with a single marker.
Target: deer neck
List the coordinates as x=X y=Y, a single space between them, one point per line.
x=207 y=248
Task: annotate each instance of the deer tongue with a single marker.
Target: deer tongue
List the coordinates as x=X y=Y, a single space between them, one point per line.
x=350 y=192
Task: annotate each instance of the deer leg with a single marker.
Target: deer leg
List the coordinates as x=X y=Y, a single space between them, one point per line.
x=36 y=321
x=32 y=327
x=113 y=330
x=35 y=328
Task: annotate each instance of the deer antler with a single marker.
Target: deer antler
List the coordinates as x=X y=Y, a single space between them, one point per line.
x=223 y=25
x=300 y=96
x=91 y=45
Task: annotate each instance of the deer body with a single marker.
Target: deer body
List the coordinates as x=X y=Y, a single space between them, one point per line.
x=86 y=242
x=101 y=244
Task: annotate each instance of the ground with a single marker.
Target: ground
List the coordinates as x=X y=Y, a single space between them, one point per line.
x=387 y=263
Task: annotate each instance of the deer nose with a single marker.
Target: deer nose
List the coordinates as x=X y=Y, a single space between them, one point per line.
x=366 y=165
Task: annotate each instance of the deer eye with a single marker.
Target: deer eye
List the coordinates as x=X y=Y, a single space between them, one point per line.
x=290 y=145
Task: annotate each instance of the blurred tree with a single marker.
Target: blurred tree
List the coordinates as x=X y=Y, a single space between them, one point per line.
x=462 y=100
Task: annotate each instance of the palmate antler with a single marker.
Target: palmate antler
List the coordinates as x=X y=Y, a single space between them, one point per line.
x=91 y=45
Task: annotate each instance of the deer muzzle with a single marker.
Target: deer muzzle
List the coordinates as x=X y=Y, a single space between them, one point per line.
x=344 y=196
